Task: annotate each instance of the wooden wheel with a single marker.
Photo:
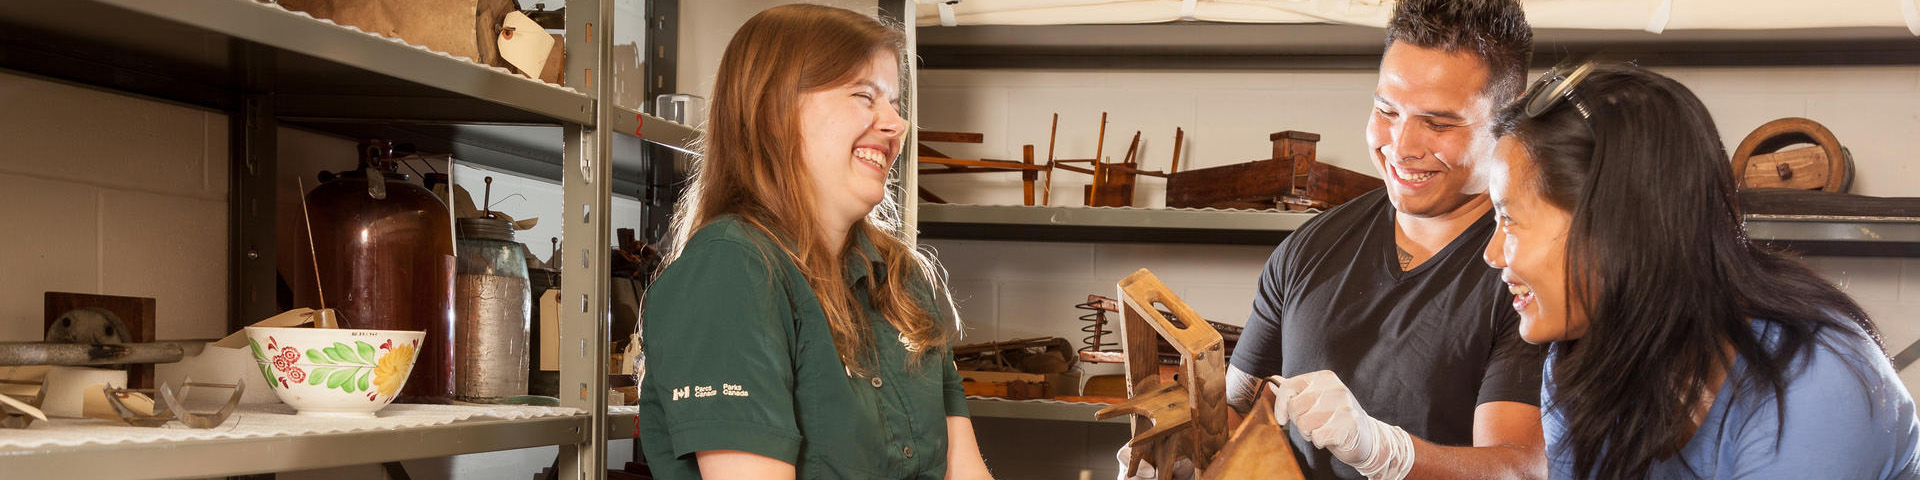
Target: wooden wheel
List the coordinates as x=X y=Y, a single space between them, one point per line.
x=1826 y=166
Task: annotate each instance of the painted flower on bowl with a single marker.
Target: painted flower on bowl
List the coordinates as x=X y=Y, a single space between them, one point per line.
x=391 y=373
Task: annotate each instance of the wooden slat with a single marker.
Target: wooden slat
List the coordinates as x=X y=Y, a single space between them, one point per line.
x=951 y=137
x=994 y=164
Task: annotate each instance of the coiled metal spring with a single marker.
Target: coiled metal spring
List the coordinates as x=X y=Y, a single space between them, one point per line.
x=1098 y=333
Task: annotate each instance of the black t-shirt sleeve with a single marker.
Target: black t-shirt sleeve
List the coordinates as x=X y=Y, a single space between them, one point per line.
x=1258 y=351
x=1513 y=372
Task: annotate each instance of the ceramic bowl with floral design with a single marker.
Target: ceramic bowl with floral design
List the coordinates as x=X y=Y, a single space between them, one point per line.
x=334 y=372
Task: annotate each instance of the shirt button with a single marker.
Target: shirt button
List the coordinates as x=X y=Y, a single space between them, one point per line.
x=876 y=382
x=908 y=451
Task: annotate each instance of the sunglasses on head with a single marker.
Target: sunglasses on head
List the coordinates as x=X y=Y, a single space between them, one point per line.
x=1555 y=86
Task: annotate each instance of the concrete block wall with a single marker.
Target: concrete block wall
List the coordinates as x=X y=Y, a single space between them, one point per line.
x=107 y=195
x=110 y=194
x=1016 y=289
x=1010 y=290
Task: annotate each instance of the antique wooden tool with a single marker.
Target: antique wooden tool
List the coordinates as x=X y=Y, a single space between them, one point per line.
x=1258 y=449
x=1100 y=334
x=1113 y=182
x=947 y=164
x=1291 y=180
x=1185 y=417
x=1761 y=162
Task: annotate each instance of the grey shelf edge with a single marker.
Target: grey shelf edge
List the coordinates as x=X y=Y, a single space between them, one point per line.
x=1067 y=412
x=242 y=456
x=622 y=426
x=1846 y=236
x=655 y=130
x=278 y=28
x=1102 y=224
x=1821 y=235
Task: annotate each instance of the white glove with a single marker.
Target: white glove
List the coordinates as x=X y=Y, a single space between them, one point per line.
x=1324 y=412
x=1182 y=468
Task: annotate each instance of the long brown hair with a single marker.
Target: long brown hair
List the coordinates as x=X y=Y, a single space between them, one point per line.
x=751 y=168
x=1640 y=154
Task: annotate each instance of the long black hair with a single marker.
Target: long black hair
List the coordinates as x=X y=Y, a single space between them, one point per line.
x=1659 y=259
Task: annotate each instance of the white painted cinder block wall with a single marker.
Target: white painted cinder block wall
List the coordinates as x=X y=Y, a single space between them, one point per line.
x=110 y=194
x=1010 y=289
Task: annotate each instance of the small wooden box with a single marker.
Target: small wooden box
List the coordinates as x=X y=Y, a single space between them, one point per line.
x=1290 y=180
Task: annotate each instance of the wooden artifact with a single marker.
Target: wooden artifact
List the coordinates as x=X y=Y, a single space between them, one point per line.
x=946 y=164
x=1762 y=161
x=1019 y=369
x=1805 y=181
x=1113 y=182
x=1185 y=416
x=106 y=319
x=1100 y=335
x=1258 y=449
x=1291 y=180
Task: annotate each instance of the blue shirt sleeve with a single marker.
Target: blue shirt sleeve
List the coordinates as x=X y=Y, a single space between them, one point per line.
x=1847 y=416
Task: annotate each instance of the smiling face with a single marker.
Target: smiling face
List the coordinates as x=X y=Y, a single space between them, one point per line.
x=1428 y=128
x=1530 y=248
x=850 y=134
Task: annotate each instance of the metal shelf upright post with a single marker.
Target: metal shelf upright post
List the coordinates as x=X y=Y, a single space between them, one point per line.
x=588 y=194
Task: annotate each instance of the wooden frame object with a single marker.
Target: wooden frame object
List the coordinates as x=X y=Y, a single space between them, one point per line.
x=1113 y=182
x=1291 y=180
x=1186 y=417
x=1827 y=166
x=1029 y=172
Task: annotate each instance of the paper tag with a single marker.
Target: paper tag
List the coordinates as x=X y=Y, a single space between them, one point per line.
x=550 y=329
x=94 y=403
x=289 y=318
x=524 y=44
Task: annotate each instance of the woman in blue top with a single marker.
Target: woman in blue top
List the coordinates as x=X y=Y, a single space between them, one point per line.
x=1680 y=349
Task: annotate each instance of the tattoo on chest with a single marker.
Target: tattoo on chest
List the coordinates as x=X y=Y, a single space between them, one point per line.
x=1406 y=259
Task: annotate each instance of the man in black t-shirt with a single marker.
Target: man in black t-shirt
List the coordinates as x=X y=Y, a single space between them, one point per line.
x=1391 y=345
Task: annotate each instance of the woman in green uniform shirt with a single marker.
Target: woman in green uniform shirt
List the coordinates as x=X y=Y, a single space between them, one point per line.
x=792 y=334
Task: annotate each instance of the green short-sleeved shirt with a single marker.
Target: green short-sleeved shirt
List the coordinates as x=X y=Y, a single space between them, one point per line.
x=739 y=357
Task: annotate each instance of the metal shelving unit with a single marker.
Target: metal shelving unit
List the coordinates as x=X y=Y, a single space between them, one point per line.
x=265 y=66
x=1213 y=46
x=1839 y=236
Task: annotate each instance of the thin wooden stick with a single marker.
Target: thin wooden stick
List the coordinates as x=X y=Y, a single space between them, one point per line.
x=1099 y=157
x=1047 y=187
x=1178 y=135
x=312 y=252
x=1132 y=148
x=1100 y=146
